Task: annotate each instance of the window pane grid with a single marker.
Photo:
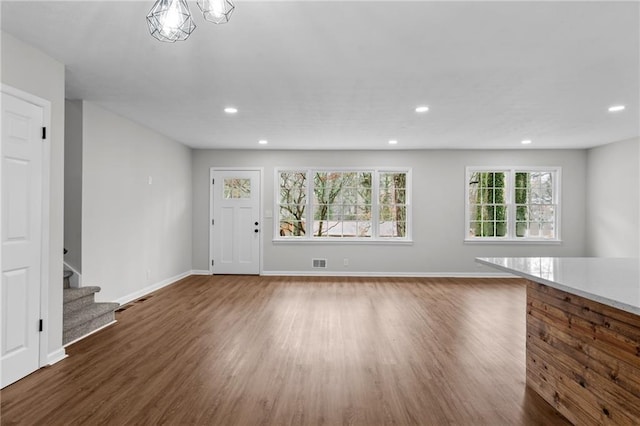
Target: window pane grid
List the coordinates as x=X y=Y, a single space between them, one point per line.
x=292 y=203
x=536 y=220
x=342 y=204
x=487 y=204
x=392 y=196
x=512 y=204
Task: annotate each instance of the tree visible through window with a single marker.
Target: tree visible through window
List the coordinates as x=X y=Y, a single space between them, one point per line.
x=342 y=204
x=512 y=204
x=487 y=203
x=293 y=203
x=393 y=204
x=535 y=204
x=323 y=204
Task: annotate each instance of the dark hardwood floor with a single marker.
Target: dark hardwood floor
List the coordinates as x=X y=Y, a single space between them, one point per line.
x=237 y=350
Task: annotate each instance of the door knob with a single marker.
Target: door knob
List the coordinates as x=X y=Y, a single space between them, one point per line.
x=255 y=230
x=256 y=223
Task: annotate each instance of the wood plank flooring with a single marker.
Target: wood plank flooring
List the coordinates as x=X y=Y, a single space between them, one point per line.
x=238 y=350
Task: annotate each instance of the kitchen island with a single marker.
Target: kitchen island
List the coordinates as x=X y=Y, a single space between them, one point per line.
x=583 y=335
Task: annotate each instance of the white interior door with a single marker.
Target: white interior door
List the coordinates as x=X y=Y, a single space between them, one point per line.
x=22 y=156
x=235 y=222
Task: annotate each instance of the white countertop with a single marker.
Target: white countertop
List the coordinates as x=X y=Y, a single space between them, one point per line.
x=610 y=281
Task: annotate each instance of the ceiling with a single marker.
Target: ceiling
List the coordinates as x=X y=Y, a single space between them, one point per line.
x=348 y=75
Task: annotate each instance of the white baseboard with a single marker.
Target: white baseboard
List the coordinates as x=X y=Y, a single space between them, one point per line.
x=391 y=274
x=150 y=289
x=153 y=287
x=56 y=356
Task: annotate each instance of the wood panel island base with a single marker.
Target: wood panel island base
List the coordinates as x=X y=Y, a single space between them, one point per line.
x=583 y=357
x=583 y=340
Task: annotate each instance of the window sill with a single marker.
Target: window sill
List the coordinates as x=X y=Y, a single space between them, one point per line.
x=337 y=241
x=511 y=241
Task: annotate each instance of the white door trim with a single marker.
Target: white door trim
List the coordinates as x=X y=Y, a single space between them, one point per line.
x=46 y=189
x=212 y=170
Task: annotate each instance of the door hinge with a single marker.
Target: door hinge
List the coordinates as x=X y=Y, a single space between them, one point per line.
x=212 y=221
x=211 y=262
x=40 y=326
x=213 y=181
x=44 y=133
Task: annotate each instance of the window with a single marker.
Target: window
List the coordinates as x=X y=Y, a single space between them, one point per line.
x=237 y=188
x=512 y=204
x=356 y=205
x=393 y=204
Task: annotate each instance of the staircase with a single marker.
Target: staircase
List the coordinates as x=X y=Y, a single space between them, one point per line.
x=82 y=314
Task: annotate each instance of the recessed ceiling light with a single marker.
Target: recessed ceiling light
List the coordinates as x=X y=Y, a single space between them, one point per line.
x=393 y=142
x=526 y=142
x=263 y=141
x=616 y=108
x=422 y=108
x=230 y=110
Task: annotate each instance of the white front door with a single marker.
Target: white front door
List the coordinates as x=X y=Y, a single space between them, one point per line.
x=235 y=222
x=22 y=156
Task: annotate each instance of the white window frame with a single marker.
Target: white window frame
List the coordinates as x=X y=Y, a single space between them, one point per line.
x=510 y=175
x=375 y=207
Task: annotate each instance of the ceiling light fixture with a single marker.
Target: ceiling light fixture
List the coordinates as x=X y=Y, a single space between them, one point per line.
x=230 y=110
x=216 y=11
x=526 y=142
x=422 y=108
x=393 y=142
x=616 y=108
x=171 y=21
x=263 y=141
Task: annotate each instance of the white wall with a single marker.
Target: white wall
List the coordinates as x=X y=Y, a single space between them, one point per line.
x=613 y=182
x=30 y=70
x=438 y=210
x=135 y=236
x=73 y=184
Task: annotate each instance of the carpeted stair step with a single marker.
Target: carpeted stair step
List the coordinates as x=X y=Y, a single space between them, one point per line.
x=81 y=314
x=87 y=313
x=77 y=298
x=83 y=321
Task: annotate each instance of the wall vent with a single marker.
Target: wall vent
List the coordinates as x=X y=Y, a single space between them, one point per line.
x=319 y=263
